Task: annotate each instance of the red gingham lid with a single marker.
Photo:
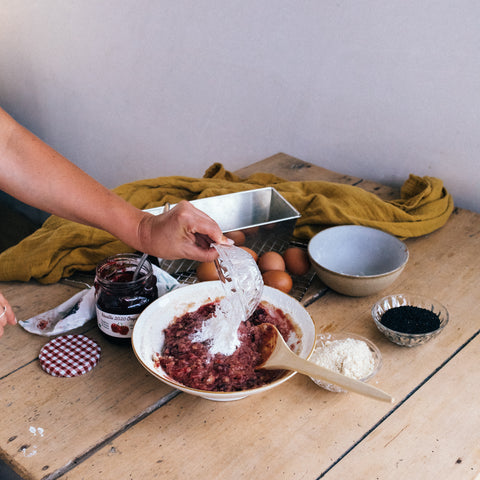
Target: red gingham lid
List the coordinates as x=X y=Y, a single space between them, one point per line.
x=69 y=355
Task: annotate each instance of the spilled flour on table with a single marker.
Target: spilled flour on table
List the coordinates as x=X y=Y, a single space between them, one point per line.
x=38 y=430
x=31 y=450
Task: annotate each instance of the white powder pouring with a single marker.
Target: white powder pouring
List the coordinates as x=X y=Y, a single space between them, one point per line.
x=243 y=286
x=220 y=330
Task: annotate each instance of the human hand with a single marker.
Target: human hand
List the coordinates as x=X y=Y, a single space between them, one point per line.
x=182 y=232
x=6 y=314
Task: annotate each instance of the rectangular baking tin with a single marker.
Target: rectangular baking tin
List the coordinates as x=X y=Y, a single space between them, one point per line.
x=242 y=210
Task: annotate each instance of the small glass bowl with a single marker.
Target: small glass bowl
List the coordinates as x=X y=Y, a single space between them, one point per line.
x=323 y=338
x=408 y=339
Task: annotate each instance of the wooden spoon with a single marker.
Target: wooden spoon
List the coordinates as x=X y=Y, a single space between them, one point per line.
x=277 y=355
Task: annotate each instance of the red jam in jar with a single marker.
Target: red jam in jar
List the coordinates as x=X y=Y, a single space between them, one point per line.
x=119 y=298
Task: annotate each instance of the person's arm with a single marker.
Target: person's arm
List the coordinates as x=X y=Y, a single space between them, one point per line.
x=36 y=174
x=6 y=314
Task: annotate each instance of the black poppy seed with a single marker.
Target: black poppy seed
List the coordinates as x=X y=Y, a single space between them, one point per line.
x=410 y=319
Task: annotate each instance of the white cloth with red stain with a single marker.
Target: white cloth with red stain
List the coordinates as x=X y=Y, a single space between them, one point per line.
x=80 y=308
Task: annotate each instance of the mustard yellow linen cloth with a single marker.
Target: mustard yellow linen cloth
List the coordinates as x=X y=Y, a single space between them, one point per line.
x=61 y=247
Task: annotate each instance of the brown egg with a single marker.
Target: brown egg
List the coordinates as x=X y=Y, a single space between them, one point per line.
x=206 y=271
x=271 y=261
x=238 y=237
x=279 y=280
x=251 y=252
x=296 y=260
x=251 y=231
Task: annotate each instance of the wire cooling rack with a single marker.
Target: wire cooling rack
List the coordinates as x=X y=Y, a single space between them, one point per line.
x=185 y=270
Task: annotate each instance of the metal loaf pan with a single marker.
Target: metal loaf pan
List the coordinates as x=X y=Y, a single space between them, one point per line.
x=266 y=218
x=262 y=207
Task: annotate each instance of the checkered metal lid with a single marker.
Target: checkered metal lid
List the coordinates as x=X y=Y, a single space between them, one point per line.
x=69 y=355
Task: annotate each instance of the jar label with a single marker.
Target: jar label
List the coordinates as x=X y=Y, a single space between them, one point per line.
x=119 y=326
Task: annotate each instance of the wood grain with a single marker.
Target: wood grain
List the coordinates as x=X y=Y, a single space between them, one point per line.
x=119 y=422
x=18 y=347
x=434 y=434
x=74 y=414
x=309 y=429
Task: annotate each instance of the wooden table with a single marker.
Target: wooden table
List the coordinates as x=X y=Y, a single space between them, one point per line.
x=119 y=422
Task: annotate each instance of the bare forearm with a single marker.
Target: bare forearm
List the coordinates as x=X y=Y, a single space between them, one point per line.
x=33 y=172
x=38 y=175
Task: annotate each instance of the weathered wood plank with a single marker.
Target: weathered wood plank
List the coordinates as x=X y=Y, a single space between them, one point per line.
x=109 y=421
x=294 y=169
x=18 y=347
x=73 y=415
x=291 y=168
x=434 y=434
x=299 y=430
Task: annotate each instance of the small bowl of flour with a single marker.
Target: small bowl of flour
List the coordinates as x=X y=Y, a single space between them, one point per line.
x=346 y=353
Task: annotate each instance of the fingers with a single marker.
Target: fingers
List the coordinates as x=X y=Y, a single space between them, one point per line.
x=182 y=232
x=226 y=241
x=203 y=241
x=200 y=254
x=203 y=227
x=6 y=314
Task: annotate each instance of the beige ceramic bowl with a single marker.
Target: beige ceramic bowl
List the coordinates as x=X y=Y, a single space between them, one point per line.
x=356 y=260
x=148 y=335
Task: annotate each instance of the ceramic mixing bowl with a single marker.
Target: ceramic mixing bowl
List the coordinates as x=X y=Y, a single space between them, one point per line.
x=356 y=260
x=148 y=336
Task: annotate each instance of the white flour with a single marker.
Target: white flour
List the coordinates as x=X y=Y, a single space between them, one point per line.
x=243 y=292
x=221 y=328
x=349 y=357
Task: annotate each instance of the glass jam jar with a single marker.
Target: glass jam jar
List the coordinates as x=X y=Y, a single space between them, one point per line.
x=119 y=298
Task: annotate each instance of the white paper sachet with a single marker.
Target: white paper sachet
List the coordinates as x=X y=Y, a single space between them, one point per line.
x=80 y=308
